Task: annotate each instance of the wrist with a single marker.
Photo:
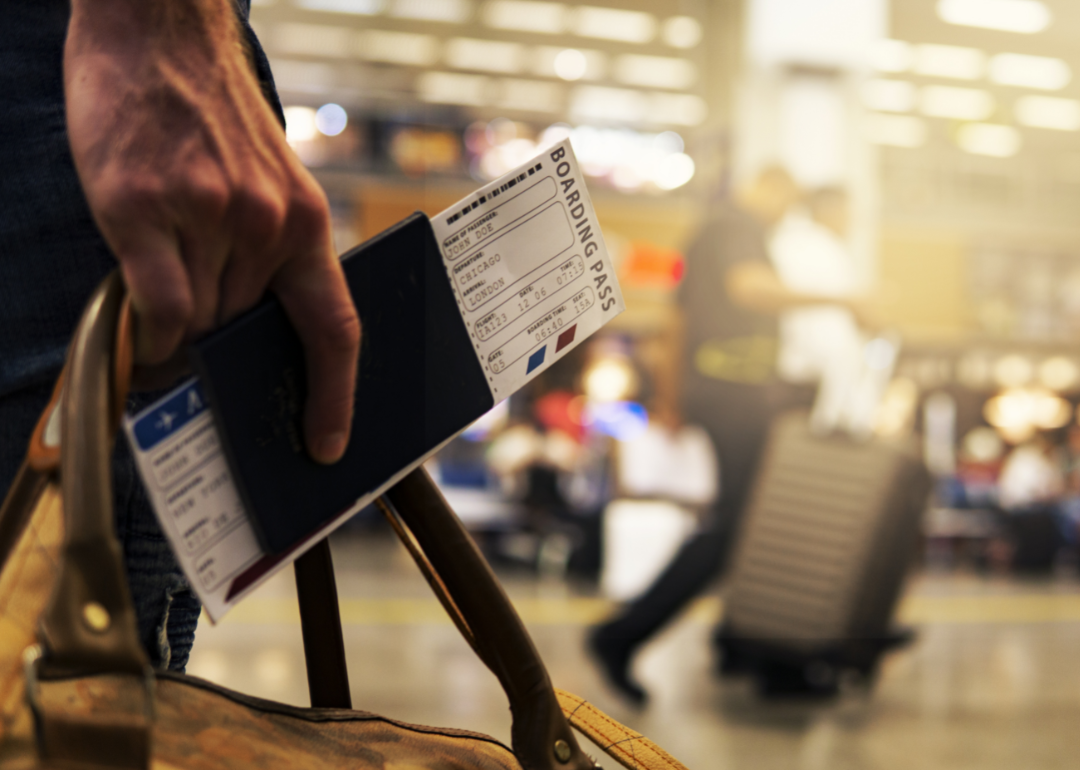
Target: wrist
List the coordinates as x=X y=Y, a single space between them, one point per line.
x=123 y=25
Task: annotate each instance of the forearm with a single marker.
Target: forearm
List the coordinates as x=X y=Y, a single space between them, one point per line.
x=151 y=23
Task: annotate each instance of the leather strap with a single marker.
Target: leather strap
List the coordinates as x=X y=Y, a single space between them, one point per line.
x=432 y=577
x=320 y=626
x=90 y=621
x=44 y=452
x=123 y=359
x=540 y=735
x=630 y=748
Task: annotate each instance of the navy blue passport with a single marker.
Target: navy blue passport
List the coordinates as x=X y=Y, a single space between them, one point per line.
x=419 y=383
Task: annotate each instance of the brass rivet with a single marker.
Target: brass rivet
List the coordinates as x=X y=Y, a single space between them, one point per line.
x=96 y=617
x=562 y=751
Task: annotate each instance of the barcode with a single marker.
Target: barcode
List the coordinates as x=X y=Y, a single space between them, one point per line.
x=494 y=193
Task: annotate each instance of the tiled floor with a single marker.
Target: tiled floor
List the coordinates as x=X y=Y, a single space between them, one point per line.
x=993 y=680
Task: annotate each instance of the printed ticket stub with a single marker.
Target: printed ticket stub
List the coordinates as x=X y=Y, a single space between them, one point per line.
x=529 y=267
x=182 y=465
x=533 y=279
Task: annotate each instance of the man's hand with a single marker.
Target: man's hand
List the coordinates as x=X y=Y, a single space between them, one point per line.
x=194 y=188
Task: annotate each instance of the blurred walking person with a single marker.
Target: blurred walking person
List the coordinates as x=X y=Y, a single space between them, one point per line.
x=737 y=283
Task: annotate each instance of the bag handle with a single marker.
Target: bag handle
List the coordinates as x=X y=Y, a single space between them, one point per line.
x=473 y=598
x=90 y=620
x=461 y=577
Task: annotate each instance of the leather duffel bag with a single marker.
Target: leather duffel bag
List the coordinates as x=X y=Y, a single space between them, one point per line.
x=76 y=690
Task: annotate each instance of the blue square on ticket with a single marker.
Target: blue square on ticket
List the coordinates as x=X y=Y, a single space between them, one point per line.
x=536 y=359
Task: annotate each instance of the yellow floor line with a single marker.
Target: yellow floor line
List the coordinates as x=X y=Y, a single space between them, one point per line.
x=580 y=611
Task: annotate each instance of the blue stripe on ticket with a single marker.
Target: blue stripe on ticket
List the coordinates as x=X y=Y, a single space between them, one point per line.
x=169 y=415
x=536 y=359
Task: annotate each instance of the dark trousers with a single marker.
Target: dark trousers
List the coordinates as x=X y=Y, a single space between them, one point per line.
x=51 y=258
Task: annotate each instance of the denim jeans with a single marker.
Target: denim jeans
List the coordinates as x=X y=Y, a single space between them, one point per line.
x=51 y=258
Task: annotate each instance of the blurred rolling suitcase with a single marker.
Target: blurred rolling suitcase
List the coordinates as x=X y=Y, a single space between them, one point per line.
x=828 y=535
x=830 y=532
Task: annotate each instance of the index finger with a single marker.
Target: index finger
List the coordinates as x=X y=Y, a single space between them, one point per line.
x=312 y=289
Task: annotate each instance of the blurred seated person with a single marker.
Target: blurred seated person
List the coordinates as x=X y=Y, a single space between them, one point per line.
x=1030 y=492
x=731 y=297
x=1031 y=480
x=550 y=466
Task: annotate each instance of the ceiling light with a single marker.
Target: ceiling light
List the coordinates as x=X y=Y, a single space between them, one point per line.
x=614 y=24
x=304 y=76
x=896 y=130
x=981 y=444
x=602 y=103
x=571 y=64
x=331 y=119
x=674 y=171
x=1059 y=373
x=451 y=11
x=889 y=95
x=1020 y=412
x=1042 y=72
x=489 y=55
x=1024 y=16
x=526 y=16
x=530 y=96
x=893 y=55
x=405 y=48
x=312 y=40
x=1048 y=112
x=681 y=32
x=958 y=103
x=668 y=142
x=677 y=109
x=452 y=88
x=358 y=7
x=545 y=56
x=1013 y=371
x=609 y=379
x=994 y=140
x=300 y=124
x=655 y=71
x=950 y=61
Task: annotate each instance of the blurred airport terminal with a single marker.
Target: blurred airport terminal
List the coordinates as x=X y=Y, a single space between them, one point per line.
x=842 y=402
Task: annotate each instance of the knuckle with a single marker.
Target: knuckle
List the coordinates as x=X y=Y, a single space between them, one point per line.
x=259 y=213
x=309 y=212
x=124 y=196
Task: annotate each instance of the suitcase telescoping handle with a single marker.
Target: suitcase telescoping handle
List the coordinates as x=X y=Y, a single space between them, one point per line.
x=90 y=621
